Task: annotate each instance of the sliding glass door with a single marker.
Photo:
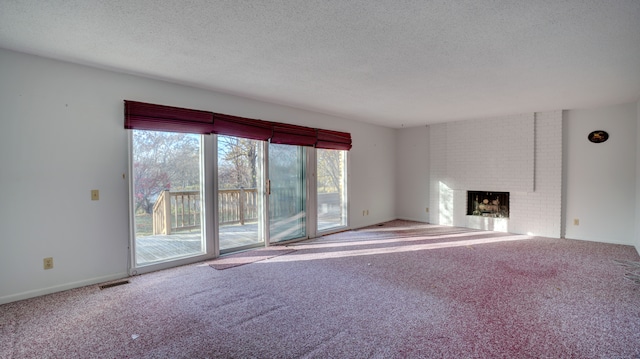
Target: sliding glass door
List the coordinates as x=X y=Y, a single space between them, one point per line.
x=240 y=193
x=168 y=200
x=168 y=188
x=288 y=192
x=204 y=184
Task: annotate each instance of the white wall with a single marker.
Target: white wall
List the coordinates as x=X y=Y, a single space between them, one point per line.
x=601 y=178
x=61 y=135
x=412 y=173
x=520 y=154
x=637 y=243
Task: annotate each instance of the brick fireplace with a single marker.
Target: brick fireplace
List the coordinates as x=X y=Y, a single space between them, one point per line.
x=519 y=155
x=488 y=204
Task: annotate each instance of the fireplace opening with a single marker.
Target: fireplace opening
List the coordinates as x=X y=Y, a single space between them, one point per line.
x=488 y=204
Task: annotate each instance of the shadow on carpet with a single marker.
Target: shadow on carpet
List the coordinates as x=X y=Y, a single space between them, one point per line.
x=256 y=255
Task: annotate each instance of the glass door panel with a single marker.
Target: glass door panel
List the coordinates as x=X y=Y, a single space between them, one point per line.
x=331 y=189
x=288 y=192
x=240 y=193
x=168 y=197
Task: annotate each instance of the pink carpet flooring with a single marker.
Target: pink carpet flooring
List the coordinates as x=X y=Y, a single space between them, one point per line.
x=248 y=257
x=401 y=290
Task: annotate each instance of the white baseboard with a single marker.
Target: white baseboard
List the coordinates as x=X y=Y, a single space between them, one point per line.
x=59 y=288
x=388 y=220
x=421 y=220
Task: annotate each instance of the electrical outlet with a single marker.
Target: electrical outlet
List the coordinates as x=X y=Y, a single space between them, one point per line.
x=427 y=210
x=95 y=195
x=48 y=263
x=576 y=222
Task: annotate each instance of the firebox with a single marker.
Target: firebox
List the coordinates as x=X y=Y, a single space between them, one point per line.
x=488 y=204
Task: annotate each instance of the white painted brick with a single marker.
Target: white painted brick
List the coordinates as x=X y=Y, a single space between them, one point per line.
x=520 y=154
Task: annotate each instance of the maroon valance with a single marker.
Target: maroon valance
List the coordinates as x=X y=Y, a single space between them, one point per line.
x=242 y=127
x=293 y=135
x=146 y=116
x=333 y=140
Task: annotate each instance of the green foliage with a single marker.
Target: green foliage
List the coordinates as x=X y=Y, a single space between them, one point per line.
x=144 y=224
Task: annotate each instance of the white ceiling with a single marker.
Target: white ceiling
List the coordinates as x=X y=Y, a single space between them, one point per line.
x=389 y=62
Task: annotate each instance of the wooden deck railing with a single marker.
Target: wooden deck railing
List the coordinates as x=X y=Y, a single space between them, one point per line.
x=178 y=211
x=237 y=206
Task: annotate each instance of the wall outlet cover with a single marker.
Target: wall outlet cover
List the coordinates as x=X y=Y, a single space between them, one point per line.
x=48 y=263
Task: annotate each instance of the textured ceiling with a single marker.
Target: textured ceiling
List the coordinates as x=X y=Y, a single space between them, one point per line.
x=393 y=63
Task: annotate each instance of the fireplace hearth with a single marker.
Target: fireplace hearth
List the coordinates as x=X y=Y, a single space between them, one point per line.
x=488 y=204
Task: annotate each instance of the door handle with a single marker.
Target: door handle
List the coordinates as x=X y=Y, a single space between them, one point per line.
x=269 y=187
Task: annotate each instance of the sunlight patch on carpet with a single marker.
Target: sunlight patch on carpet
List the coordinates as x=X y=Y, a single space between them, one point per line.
x=398 y=248
x=238 y=259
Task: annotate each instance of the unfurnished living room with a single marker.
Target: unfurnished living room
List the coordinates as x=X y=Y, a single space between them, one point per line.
x=335 y=179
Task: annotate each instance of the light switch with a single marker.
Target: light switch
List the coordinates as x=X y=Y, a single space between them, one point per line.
x=95 y=195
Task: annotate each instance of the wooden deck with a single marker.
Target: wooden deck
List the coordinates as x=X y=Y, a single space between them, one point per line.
x=155 y=248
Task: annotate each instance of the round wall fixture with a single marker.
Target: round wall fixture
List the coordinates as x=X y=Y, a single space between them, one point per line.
x=598 y=136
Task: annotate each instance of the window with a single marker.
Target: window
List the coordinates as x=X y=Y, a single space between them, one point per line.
x=240 y=193
x=168 y=198
x=331 y=185
x=288 y=192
